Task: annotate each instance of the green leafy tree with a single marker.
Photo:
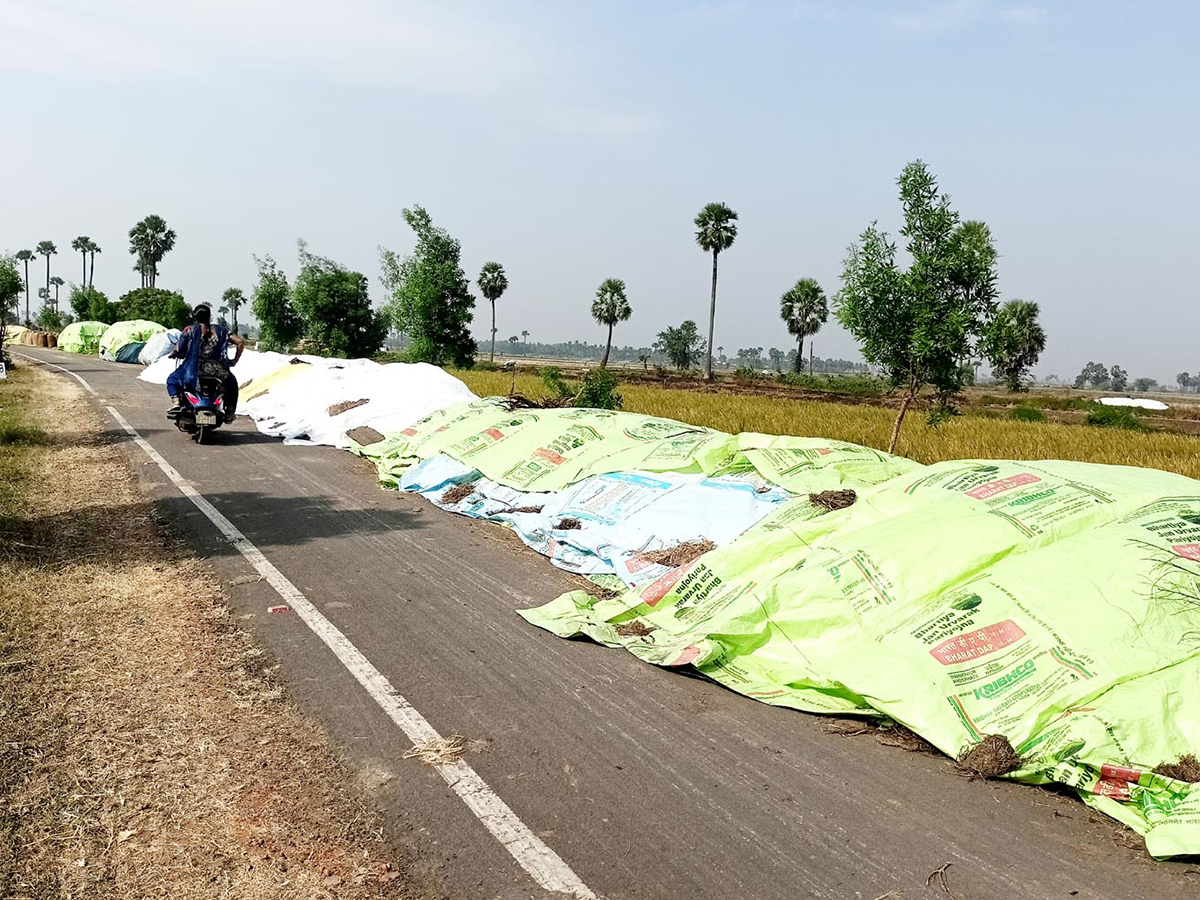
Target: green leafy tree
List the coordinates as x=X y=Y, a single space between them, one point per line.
x=716 y=229
x=610 y=306
x=1118 y=378
x=777 y=358
x=1013 y=341
x=336 y=308
x=918 y=324
x=89 y=304
x=271 y=301
x=149 y=241
x=47 y=249
x=11 y=286
x=159 y=305
x=50 y=319
x=431 y=298
x=804 y=309
x=683 y=346
x=1184 y=380
x=1094 y=375
x=233 y=298
x=25 y=256
x=1141 y=385
x=492 y=283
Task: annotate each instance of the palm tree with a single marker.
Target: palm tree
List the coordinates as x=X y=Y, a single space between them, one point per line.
x=1014 y=342
x=47 y=249
x=234 y=298
x=609 y=307
x=82 y=245
x=44 y=296
x=223 y=312
x=93 y=249
x=525 y=339
x=492 y=283
x=25 y=256
x=149 y=241
x=57 y=282
x=716 y=228
x=804 y=309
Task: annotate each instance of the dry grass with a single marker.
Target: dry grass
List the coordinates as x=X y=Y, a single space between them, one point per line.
x=990 y=758
x=680 y=554
x=144 y=750
x=964 y=437
x=1186 y=768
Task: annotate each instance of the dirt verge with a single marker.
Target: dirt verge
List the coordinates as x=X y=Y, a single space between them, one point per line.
x=145 y=750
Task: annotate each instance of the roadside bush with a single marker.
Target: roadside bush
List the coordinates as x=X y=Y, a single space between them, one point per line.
x=1028 y=414
x=1114 y=417
x=747 y=373
x=598 y=390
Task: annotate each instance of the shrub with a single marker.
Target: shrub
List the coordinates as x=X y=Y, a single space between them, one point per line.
x=1114 y=417
x=165 y=307
x=598 y=390
x=748 y=373
x=1028 y=414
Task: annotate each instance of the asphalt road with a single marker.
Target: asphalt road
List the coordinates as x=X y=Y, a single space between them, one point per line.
x=647 y=782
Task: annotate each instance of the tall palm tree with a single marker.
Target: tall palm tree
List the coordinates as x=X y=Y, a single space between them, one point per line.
x=1014 y=341
x=804 y=309
x=93 y=249
x=149 y=241
x=716 y=228
x=609 y=307
x=492 y=283
x=57 y=282
x=25 y=256
x=81 y=245
x=525 y=339
x=47 y=249
x=234 y=298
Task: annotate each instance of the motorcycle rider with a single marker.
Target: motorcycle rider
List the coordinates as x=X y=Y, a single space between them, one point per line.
x=203 y=347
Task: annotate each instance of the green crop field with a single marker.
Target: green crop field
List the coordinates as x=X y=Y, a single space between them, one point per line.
x=963 y=437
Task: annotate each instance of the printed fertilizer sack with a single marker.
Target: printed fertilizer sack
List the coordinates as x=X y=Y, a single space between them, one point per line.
x=1057 y=604
x=549 y=449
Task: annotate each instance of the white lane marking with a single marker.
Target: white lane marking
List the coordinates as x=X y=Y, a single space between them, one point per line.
x=545 y=866
x=43 y=362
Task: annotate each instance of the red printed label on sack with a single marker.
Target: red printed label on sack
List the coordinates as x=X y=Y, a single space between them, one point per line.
x=1118 y=790
x=992 y=488
x=657 y=589
x=1119 y=773
x=550 y=456
x=689 y=655
x=494 y=433
x=1188 y=551
x=971 y=646
x=409 y=432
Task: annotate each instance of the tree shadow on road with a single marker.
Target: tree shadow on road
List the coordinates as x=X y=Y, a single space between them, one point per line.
x=267 y=521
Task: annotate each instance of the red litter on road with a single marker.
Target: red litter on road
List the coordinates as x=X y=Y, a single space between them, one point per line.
x=278 y=609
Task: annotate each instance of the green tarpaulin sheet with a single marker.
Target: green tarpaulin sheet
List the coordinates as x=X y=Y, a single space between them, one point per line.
x=82 y=337
x=132 y=331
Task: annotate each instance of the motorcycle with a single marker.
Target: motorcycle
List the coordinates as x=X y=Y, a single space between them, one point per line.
x=201 y=411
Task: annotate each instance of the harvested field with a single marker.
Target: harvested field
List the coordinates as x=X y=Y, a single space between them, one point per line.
x=145 y=750
x=963 y=437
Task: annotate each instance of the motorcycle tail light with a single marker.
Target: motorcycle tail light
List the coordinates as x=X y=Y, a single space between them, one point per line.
x=192 y=398
x=218 y=401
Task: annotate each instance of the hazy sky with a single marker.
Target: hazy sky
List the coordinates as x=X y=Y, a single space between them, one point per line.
x=576 y=141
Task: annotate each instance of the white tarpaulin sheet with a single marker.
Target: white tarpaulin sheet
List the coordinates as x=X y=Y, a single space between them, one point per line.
x=159 y=346
x=1139 y=402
